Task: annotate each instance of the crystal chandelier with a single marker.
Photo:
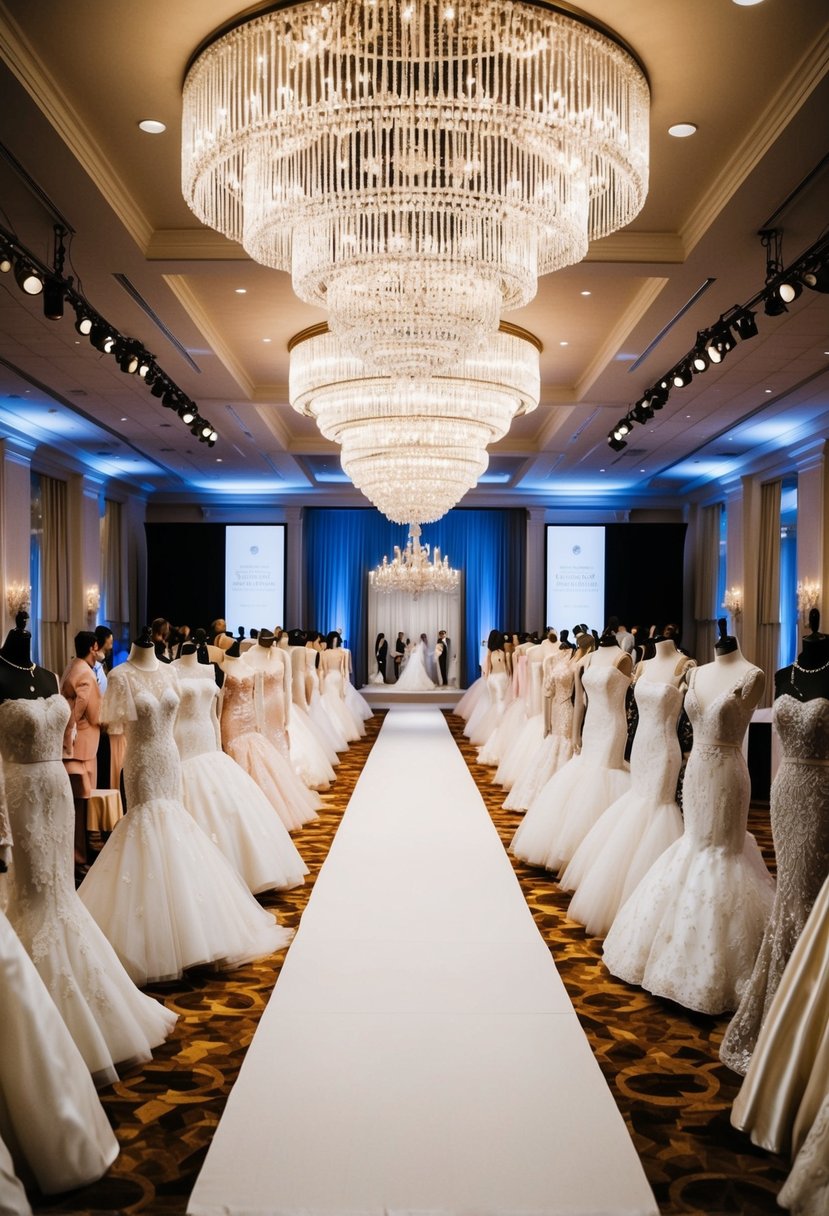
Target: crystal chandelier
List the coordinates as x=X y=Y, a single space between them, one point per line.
x=411 y=570
x=414 y=446
x=415 y=164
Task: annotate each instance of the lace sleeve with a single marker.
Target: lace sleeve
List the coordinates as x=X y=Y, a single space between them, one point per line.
x=118 y=706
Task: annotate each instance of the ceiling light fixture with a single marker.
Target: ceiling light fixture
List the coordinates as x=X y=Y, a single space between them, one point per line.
x=152 y=126
x=415 y=169
x=27 y=278
x=53 y=299
x=681 y=130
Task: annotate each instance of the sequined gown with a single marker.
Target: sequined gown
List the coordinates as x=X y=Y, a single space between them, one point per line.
x=692 y=928
x=244 y=743
x=111 y=1022
x=800 y=828
x=163 y=893
x=225 y=802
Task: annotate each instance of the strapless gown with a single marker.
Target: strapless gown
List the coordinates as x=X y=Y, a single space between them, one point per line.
x=333 y=702
x=556 y=747
x=111 y=1022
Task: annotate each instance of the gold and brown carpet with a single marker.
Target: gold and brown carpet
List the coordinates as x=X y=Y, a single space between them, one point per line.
x=660 y=1061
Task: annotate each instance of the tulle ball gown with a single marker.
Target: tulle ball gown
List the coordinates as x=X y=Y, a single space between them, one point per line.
x=111 y=1022
x=800 y=828
x=692 y=928
x=556 y=745
x=575 y=796
x=414 y=677
x=225 y=802
x=624 y=843
x=161 y=890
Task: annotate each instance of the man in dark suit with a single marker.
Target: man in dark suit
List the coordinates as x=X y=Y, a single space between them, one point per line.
x=381 y=651
x=443 y=656
x=399 y=651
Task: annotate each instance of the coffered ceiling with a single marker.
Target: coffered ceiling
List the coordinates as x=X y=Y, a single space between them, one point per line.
x=75 y=80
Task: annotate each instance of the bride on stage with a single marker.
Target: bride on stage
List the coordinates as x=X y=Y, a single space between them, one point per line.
x=415 y=677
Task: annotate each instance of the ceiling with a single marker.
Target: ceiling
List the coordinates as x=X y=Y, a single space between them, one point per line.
x=75 y=79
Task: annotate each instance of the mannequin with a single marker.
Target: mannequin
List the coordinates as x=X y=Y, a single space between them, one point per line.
x=808 y=676
x=266 y=657
x=712 y=680
x=20 y=678
x=608 y=653
x=668 y=665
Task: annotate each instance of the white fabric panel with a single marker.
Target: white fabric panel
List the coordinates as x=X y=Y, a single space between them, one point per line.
x=427 y=614
x=419 y=1053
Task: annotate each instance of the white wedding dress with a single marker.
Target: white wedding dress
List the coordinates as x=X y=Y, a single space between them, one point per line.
x=414 y=677
x=111 y=1022
x=691 y=930
x=226 y=802
x=160 y=889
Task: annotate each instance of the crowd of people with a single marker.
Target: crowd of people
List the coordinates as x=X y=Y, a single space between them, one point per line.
x=414 y=666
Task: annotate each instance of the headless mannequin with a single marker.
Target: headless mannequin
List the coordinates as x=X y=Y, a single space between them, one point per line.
x=728 y=669
x=808 y=677
x=142 y=653
x=266 y=656
x=608 y=654
x=189 y=663
x=668 y=665
x=20 y=678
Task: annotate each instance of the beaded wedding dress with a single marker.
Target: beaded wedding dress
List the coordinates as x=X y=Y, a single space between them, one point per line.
x=800 y=829
x=50 y=1117
x=574 y=797
x=293 y=802
x=111 y=1022
x=624 y=843
x=225 y=802
x=692 y=928
x=556 y=747
x=160 y=889
x=414 y=677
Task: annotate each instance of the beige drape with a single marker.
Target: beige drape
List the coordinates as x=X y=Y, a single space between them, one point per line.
x=706 y=608
x=54 y=575
x=112 y=567
x=768 y=584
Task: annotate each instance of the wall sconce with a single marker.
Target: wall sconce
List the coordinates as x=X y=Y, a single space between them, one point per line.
x=733 y=602
x=18 y=597
x=808 y=596
x=93 y=599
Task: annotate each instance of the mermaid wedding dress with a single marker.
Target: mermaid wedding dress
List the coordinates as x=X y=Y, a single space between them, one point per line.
x=225 y=802
x=111 y=1022
x=160 y=889
x=691 y=930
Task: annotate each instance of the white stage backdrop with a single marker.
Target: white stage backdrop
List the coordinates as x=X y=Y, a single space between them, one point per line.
x=389 y=613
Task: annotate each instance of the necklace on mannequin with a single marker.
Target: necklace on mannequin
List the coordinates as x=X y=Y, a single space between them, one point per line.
x=810 y=671
x=30 y=667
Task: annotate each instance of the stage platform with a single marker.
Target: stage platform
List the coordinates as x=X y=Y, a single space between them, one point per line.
x=384 y=696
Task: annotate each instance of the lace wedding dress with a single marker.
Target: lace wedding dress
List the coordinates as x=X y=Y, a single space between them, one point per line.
x=624 y=843
x=800 y=829
x=574 y=797
x=225 y=802
x=111 y=1022
x=806 y=1190
x=50 y=1117
x=160 y=889
x=244 y=743
x=556 y=747
x=414 y=677
x=276 y=703
x=692 y=928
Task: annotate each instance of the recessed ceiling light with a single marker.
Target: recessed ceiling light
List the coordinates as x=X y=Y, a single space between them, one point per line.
x=218 y=460
x=767 y=390
x=601 y=470
x=681 y=130
x=266 y=339
x=152 y=126
x=587 y=293
x=241 y=291
x=747 y=3
x=125 y=419
x=564 y=343
x=641 y=470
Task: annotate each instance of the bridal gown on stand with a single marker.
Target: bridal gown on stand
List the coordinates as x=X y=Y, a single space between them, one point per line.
x=333 y=730
x=692 y=928
x=622 y=846
x=355 y=702
x=414 y=677
x=160 y=889
x=800 y=829
x=275 y=692
x=574 y=797
x=521 y=746
x=332 y=683
x=312 y=750
x=556 y=746
x=481 y=725
x=247 y=745
x=225 y=802
x=298 y=741
x=512 y=720
x=112 y=1023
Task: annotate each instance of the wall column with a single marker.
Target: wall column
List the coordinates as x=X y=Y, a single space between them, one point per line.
x=15 y=518
x=294 y=570
x=534 y=598
x=813 y=520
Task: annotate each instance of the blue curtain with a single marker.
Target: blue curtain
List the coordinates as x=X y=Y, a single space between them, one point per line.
x=342 y=545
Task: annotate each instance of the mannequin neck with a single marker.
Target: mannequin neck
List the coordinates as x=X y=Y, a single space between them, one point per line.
x=188 y=662
x=143 y=657
x=17 y=648
x=259 y=656
x=732 y=658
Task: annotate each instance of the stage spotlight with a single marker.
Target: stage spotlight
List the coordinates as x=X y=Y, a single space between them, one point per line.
x=623 y=427
x=127 y=357
x=701 y=360
x=789 y=290
x=28 y=279
x=720 y=343
x=683 y=374
x=83 y=322
x=816 y=277
x=774 y=305
x=745 y=325
x=206 y=430
x=616 y=444
x=159 y=387
x=170 y=397
x=214 y=435
x=53 y=299
x=643 y=410
x=187 y=413
x=101 y=336
x=5 y=260
x=144 y=366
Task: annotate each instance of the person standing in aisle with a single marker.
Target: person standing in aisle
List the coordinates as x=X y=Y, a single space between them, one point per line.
x=80 y=741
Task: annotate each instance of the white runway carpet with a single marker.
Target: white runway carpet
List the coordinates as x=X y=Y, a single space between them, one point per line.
x=419 y=1053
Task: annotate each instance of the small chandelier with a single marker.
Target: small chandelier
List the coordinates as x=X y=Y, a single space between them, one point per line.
x=412 y=572
x=415 y=165
x=414 y=446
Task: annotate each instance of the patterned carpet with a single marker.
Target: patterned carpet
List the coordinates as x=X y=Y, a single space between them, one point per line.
x=660 y=1061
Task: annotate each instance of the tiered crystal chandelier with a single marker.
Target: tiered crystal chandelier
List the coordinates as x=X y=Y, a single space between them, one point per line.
x=415 y=164
x=414 y=446
x=412 y=572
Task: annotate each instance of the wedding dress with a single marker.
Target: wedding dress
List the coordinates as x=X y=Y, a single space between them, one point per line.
x=527 y=734
x=333 y=731
x=355 y=702
x=161 y=890
x=51 y=1119
x=800 y=830
x=275 y=706
x=691 y=930
x=226 y=802
x=332 y=679
x=481 y=725
x=556 y=747
x=244 y=743
x=466 y=706
x=574 y=797
x=806 y=1190
x=111 y=1022
x=322 y=743
x=414 y=677
x=624 y=843
x=512 y=719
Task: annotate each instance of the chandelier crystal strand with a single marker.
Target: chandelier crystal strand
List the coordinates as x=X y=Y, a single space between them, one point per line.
x=415 y=165
x=413 y=572
x=414 y=447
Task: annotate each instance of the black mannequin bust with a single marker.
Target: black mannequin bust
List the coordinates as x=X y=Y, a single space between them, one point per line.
x=808 y=677
x=20 y=678
x=725 y=643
